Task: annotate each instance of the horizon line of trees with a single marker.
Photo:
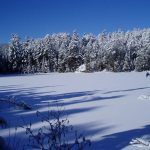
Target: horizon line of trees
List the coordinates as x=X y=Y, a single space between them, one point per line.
x=116 y=51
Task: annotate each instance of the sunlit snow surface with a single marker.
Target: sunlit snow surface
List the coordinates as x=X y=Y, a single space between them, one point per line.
x=109 y=108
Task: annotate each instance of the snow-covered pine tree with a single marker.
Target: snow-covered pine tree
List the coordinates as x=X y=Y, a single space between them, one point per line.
x=15 y=54
x=116 y=51
x=62 y=41
x=4 y=58
x=74 y=58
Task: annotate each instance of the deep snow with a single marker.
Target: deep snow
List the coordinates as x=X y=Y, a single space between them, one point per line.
x=108 y=108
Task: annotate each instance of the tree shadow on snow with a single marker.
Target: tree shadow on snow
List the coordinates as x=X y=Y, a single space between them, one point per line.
x=41 y=100
x=44 y=101
x=127 y=90
x=120 y=140
x=7 y=75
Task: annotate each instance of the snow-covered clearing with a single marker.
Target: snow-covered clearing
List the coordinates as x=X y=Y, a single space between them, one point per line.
x=106 y=107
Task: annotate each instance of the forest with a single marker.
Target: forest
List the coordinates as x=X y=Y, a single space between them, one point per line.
x=118 y=51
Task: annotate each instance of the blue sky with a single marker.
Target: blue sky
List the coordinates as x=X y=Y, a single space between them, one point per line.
x=36 y=18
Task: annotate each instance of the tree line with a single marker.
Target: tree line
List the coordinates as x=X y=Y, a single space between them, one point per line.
x=116 y=51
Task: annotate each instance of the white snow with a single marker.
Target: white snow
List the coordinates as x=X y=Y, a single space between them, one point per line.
x=81 y=68
x=103 y=106
x=144 y=97
x=139 y=142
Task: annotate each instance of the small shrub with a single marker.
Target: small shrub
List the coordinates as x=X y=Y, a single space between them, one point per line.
x=54 y=134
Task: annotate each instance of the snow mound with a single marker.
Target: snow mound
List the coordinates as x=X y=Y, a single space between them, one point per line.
x=139 y=142
x=144 y=97
x=81 y=68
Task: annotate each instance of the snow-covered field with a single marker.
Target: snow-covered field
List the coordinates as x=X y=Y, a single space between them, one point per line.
x=109 y=108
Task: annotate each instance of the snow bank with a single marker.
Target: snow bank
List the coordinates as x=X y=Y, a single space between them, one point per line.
x=81 y=68
x=103 y=106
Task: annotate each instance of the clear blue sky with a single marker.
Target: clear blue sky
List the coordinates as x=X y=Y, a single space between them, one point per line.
x=35 y=18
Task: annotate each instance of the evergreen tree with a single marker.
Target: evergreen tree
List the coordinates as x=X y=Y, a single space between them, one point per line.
x=116 y=51
x=15 y=54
